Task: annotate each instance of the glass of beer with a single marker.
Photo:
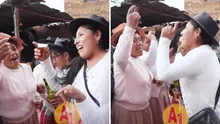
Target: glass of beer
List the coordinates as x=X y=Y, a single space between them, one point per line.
x=43 y=48
x=37 y=100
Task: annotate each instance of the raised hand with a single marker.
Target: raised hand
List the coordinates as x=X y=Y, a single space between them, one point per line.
x=169 y=31
x=41 y=53
x=133 y=17
x=4 y=48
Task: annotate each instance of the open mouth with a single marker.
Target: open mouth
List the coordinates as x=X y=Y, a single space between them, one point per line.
x=79 y=47
x=14 y=58
x=139 y=49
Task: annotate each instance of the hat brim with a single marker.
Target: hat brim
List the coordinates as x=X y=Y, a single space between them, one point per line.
x=45 y=41
x=53 y=46
x=56 y=47
x=214 y=41
x=76 y=23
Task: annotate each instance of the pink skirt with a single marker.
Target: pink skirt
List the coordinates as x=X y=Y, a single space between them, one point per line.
x=32 y=120
x=164 y=98
x=158 y=105
x=121 y=115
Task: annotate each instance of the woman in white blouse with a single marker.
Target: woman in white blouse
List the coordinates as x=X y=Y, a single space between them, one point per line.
x=90 y=89
x=198 y=69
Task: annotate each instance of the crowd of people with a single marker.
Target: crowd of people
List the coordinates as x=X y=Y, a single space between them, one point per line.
x=76 y=69
x=146 y=68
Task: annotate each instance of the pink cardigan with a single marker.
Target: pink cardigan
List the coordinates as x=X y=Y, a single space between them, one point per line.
x=132 y=76
x=17 y=90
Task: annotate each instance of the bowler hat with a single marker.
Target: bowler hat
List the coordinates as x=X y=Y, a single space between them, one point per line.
x=207 y=24
x=101 y=23
x=64 y=44
x=48 y=40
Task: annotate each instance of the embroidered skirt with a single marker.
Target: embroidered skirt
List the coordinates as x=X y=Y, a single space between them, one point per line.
x=46 y=117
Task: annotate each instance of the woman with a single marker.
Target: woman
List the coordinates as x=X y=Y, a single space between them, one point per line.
x=90 y=89
x=18 y=90
x=132 y=90
x=193 y=69
x=65 y=57
x=63 y=53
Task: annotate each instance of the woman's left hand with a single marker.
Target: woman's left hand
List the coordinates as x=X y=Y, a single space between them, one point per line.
x=72 y=92
x=157 y=82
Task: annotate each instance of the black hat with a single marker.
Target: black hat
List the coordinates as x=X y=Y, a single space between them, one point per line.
x=206 y=22
x=98 y=21
x=64 y=44
x=48 y=40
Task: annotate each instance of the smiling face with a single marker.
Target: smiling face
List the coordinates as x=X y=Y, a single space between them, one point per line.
x=12 y=60
x=87 y=41
x=137 y=47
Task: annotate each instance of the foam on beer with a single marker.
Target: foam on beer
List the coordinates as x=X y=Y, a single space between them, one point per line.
x=42 y=45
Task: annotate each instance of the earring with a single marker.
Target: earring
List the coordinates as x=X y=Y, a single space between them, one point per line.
x=97 y=42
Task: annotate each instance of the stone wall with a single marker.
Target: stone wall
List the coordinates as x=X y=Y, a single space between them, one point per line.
x=212 y=7
x=82 y=8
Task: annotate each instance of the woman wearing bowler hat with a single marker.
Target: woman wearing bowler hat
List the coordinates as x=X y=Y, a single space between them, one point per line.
x=198 y=70
x=65 y=57
x=90 y=89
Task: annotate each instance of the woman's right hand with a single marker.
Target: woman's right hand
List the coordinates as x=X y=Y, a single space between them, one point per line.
x=133 y=17
x=169 y=31
x=41 y=55
x=4 y=48
x=41 y=88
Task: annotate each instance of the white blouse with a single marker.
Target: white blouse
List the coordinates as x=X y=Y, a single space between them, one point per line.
x=198 y=71
x=98 y=85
